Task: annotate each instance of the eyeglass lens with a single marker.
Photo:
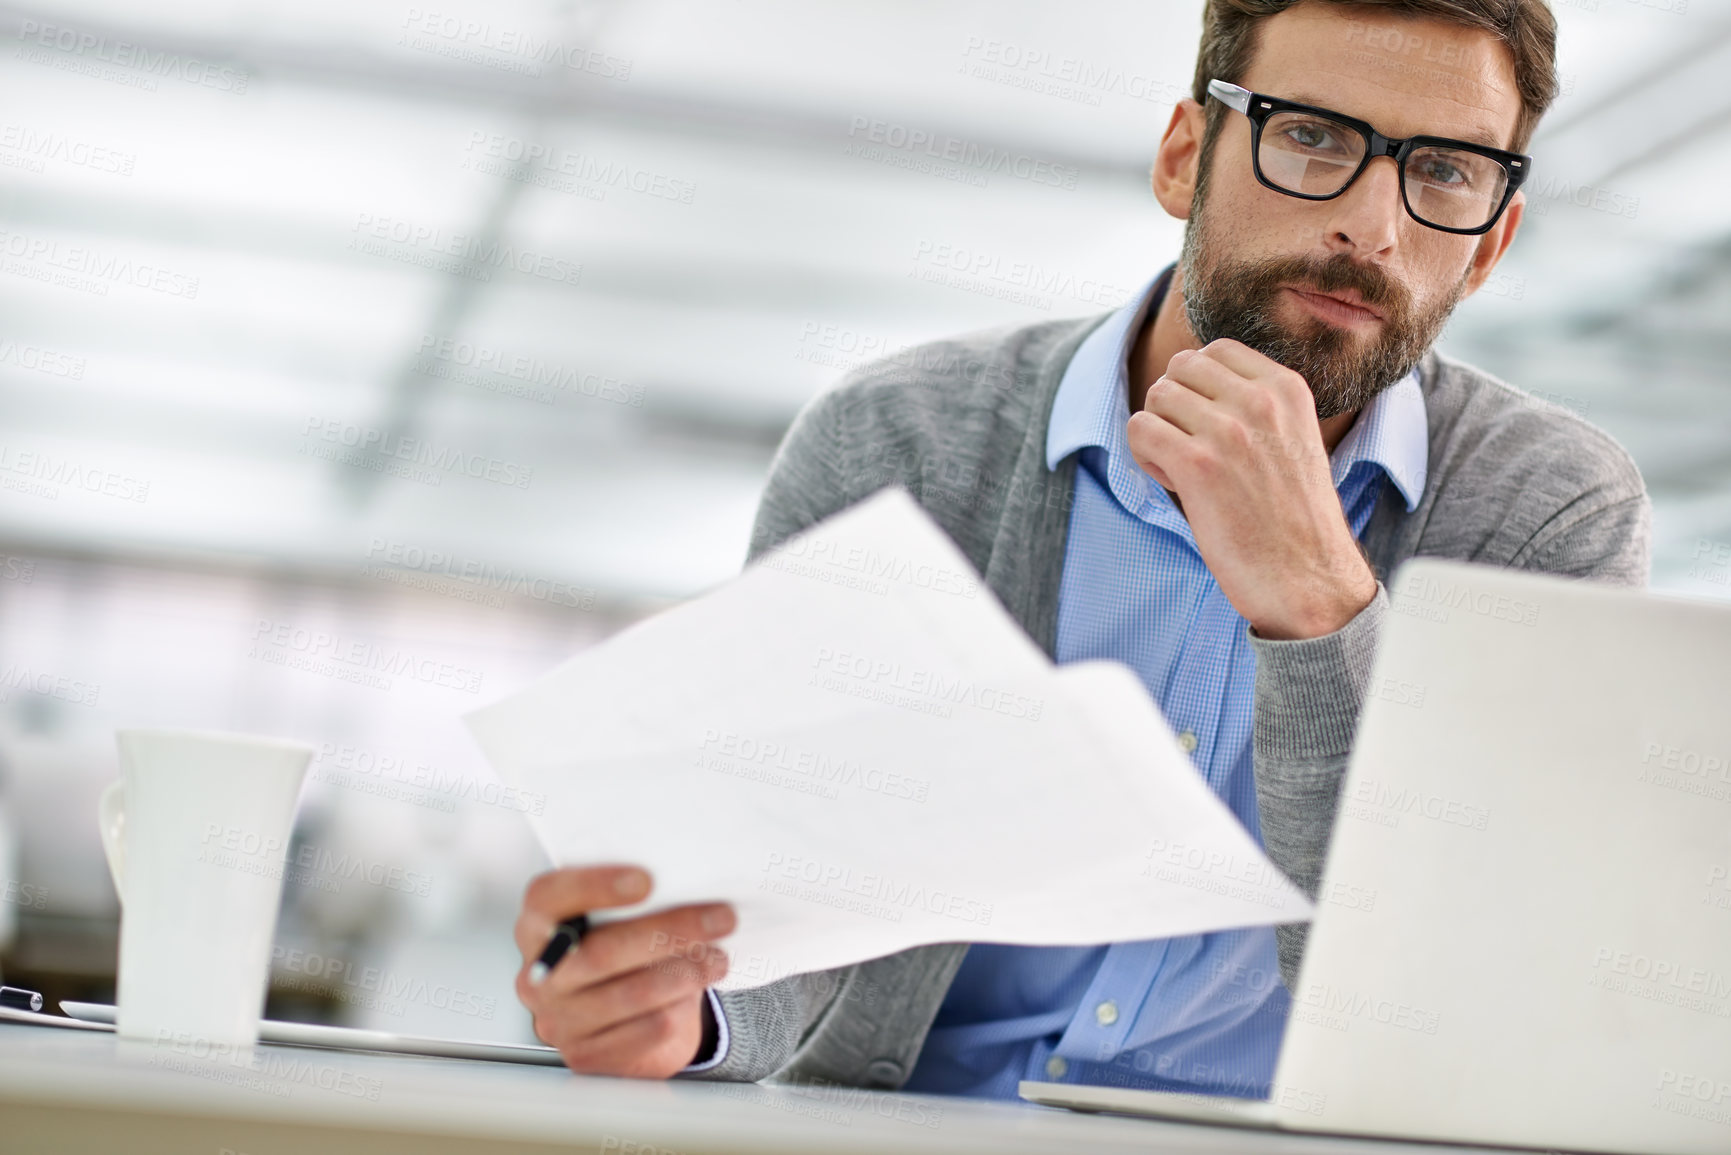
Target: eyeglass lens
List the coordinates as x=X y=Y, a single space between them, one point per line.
x=1316 y=156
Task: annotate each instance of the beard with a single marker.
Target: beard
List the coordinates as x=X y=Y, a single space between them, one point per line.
x=1236 y=299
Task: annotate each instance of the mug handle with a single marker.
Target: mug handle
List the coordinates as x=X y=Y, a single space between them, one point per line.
x=111 y=823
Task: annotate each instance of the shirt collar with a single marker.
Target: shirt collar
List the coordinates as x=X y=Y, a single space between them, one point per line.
x=1391 y=433
x=1092 y=408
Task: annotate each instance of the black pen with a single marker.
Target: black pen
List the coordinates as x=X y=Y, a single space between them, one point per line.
x=20 y=999
x=565 y=936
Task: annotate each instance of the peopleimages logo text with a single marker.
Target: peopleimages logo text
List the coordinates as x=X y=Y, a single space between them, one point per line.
x=103 y=268
x=425 y=29
x=1025 y=276
x=92 y=46
x=385 y=983
x=581 y=167
x=433 y=247
x=928 y=691
x=362 y=655
x=18 y=676
x=252 y=853
x=56 y=471
x=39 y=359
x=447 y=356
x=1056 y=74
x=38 y=146
x=479 y=573
x=894 y=894
x=419 y=451
x=967 y=155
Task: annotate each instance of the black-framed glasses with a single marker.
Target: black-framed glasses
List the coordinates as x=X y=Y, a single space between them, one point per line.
x=1316 y=154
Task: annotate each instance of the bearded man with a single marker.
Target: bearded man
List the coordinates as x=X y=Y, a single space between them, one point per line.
x=1210 y=485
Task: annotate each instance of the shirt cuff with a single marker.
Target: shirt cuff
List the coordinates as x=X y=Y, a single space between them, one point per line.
x=721 y=1038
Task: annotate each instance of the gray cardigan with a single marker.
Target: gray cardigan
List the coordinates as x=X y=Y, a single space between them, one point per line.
x=1513 y=481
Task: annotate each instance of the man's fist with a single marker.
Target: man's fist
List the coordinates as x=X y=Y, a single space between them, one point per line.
x=1234 y=434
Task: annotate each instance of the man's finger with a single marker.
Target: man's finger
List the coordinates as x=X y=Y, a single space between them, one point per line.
x=561 y=894
x=605 y=1005
x=1206 y=373
x=1242 y=359
x=1157 y=445
x=686 y=932
x=1189 y=409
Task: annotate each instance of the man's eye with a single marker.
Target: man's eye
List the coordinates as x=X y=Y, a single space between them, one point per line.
x=1442 y=172
x=1316 y=137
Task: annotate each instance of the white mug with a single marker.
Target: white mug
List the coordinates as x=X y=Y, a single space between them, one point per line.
x=196 y=831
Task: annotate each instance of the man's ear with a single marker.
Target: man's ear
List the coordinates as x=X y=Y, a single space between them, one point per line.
x=1495 y=243
x=1174 y=174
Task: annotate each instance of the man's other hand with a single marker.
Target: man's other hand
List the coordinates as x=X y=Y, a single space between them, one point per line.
x=629 y=1000
x=1234 y=434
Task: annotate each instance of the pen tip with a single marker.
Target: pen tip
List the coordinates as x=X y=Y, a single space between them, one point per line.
x=537 y=972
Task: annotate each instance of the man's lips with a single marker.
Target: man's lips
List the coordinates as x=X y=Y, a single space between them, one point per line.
x=1344 y=305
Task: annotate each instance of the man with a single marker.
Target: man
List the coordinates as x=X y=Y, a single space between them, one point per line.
x=1209 y=485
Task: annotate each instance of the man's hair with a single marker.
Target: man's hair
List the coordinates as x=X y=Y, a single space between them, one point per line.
x=1525 y=27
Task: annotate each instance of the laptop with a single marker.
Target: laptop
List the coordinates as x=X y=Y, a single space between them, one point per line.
x=1523 y=935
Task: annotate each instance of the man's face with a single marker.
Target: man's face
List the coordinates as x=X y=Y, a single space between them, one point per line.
x=1348 y=292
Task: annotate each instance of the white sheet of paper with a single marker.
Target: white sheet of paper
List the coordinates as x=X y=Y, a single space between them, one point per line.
x=855 y=744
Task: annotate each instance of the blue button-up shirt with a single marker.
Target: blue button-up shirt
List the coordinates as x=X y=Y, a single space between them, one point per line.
x=1202 y=1013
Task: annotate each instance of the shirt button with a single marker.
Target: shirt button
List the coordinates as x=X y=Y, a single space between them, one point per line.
x=1056 y=1066
x=1187 y=742
x=1106 y=1013
x=884 y=1072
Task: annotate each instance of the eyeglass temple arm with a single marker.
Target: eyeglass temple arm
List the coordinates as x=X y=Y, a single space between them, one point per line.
x=1230 y=95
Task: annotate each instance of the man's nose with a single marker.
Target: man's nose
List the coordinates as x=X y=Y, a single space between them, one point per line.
x=1366 y=217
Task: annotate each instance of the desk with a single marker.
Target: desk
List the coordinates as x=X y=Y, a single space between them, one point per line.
x=74 y=1092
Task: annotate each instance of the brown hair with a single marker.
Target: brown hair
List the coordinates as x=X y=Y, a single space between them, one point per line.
x=1526 y=28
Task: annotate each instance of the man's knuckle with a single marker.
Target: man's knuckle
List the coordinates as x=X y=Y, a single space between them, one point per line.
x=580 y=1057
x=536 y=892
x=637 y=992
x=664 y=1025
x=671 y=977
x=599 y=957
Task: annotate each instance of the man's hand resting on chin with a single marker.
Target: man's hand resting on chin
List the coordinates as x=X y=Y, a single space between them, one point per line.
x=629 y=1000
x=1235 y=436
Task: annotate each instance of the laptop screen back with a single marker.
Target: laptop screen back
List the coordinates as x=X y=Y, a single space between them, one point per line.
x=1524 y=929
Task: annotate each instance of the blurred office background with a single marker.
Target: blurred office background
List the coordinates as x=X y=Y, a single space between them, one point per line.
x=359 y=361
